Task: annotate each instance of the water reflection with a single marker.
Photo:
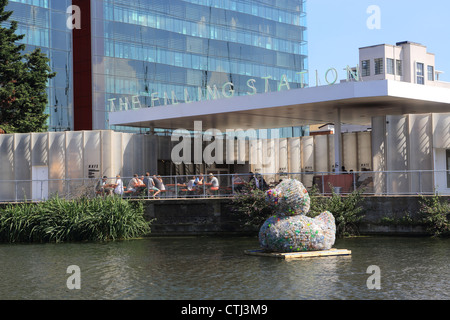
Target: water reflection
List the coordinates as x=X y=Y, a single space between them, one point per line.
x=216 y=268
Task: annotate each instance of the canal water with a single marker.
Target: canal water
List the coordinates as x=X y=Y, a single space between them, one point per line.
x=186 y=268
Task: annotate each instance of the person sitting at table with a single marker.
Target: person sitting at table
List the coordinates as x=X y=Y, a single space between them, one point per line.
x=118 y=185
x=191 y=184
x=102 y=187
x=199 y=183
x=133 y=184
x=214 y=182
x=146 y=179
x=151 y=185
x=141 y=185
x=199 y=180
x=159 y=182
x=238 y=182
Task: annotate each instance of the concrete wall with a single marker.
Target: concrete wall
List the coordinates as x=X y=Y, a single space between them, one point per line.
x=192 y=217
x=213 y=217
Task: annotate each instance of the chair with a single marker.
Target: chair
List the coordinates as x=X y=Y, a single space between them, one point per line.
x=215 y=190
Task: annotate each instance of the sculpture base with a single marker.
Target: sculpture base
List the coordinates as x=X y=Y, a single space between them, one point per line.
x=299 y=255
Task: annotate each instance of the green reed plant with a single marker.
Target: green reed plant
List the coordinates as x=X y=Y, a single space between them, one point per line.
x=60 y=220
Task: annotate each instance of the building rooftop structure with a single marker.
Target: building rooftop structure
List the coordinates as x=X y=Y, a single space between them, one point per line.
x=405 y=61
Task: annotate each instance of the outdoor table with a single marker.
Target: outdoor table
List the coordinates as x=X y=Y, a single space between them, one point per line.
x=175 y=188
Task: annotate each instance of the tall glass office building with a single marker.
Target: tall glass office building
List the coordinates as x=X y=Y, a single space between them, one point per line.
x=43 y=22
x=160 y=52
x=144 y=53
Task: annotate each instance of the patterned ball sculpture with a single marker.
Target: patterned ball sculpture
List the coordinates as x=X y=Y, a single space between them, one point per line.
x=290 y=230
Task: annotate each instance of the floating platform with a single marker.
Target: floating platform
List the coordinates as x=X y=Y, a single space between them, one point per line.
x=299 y=255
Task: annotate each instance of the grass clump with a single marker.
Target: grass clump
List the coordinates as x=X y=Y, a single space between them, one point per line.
x=60 y=220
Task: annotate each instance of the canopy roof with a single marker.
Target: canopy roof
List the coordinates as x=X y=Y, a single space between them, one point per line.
x=358 y=102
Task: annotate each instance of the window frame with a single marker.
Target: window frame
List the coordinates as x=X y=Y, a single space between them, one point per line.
x=365 y=68
x=430 y=73
x=390 y=66
x=379 y=66
x=420 y=73
x=399 y=67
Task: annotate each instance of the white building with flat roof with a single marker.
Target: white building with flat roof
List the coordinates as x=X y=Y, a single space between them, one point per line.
x=409 y=141
x=405 y=61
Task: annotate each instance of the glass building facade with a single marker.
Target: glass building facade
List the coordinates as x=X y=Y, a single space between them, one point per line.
x=161 y=52
x=43 y=22
x=143 y=53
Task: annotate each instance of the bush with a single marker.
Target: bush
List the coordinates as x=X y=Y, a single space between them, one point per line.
x=346 y=210
x=250 y=207
x=58 y=220
x=435 y=212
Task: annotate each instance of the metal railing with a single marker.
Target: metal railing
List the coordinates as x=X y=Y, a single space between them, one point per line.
x=409 y=182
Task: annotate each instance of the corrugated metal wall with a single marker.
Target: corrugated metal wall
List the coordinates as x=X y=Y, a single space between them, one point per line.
x=29 y=162
x=69 y=158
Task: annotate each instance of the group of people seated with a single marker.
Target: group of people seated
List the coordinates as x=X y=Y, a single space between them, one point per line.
x=148 y=185
x=196 y=183
x=137 y=185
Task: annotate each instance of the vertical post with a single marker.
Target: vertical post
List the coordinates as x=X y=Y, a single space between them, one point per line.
x=420 y=182
x=323 y=185
x=204 y=186
x=337 y=142
x=176 y=188
x=232 y=185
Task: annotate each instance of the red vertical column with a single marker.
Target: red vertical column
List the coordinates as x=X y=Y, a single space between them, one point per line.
x=82 y=68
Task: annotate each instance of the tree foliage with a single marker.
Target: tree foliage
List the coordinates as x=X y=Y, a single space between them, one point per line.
x=435 y=212
x=23 y=80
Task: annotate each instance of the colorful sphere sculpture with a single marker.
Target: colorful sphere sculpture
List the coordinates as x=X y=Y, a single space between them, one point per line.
x=290 y=230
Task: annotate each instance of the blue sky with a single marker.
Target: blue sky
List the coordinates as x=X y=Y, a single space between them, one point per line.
x=338 y=28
